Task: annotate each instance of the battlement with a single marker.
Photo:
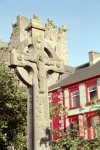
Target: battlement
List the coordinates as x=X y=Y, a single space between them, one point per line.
x=21 y=31
x=57 y=39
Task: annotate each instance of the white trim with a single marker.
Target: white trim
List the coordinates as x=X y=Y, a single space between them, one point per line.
x=61 y=121
x=62 y=124
x=61 y=128
x=60 y=96
x=60 y=102
x=59 y=90
x=62 y=118
x=60 y=115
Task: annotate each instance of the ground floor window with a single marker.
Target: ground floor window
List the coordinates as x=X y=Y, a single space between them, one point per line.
x=73 y=125
x=94 y=126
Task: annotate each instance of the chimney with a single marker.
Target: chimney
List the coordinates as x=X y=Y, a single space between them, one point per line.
x=93 y=57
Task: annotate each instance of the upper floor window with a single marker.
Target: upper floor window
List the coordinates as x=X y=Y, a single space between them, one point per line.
x=92 y=91
x=75 y=98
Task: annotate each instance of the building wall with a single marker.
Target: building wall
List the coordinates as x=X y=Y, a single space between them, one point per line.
x=98 y=83
x=58 y=121
x=84 y=111
x=3 y=50
x=57 y=39
x=84 y=107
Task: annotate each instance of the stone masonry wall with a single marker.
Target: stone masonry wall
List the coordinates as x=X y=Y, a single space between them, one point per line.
x=62 y=49
x=3 y=50
x=57 y=39
x=19 y=33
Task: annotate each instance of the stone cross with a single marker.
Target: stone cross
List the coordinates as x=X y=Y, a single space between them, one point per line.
x=37 y=65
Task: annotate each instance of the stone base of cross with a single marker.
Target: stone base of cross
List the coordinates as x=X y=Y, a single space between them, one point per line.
x=36 y=68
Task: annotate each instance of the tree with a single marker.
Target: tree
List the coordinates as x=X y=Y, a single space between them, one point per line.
x=13 y=117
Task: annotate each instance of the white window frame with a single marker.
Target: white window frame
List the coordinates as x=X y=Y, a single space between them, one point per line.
x=75 y=95
x=94 y=130
x=92 y=88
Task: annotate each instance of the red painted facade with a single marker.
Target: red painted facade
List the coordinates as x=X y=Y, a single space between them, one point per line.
x=78 y=117
x=55 y=122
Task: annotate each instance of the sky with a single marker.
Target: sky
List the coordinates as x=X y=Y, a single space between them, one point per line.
x=81 y=17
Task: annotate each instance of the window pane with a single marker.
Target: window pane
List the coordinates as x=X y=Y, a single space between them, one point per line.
x=96 y=119
x=75 y=101
x=92 y=93
x=94 y=130
x=98 y=132
x=93 y=96
x=75 y=98
x=74 y=122
x=75 y=92
x=92 y=88
x=74 y=127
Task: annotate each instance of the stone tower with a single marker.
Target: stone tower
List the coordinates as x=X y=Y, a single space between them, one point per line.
x=3 y=50
x=37 y=63
x=18 y=32
x=56 y=38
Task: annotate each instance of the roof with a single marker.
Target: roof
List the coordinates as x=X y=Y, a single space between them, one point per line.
x=82 y=72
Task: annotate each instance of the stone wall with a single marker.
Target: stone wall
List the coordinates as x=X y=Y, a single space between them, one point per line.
x=57 y=39
x=3 y=50
x=18 y=32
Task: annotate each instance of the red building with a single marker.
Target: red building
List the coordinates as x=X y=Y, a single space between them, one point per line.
x=77 y=93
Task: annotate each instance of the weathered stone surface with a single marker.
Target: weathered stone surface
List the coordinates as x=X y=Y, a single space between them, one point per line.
x=3 y=50
x=37 y=64
x=57 y=39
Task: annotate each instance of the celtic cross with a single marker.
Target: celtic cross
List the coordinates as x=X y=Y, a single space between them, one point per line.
x=37 y=66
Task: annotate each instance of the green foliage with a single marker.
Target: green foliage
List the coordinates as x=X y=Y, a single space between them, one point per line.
x=13 y=120
x=71 y=140
x=2 y=47
x=15 y=25
x=56 y=109
x=12 y=34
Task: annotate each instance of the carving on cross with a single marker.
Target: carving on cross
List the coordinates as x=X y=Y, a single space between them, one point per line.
x=35 y=61
x=37 y=66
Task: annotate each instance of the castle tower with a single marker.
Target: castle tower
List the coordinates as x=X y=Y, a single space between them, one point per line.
x=51 y=33
x=62 y=49
x=18 y=32
x=56 y=39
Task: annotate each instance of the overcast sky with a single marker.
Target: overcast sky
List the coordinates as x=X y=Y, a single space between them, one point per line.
x=81 y=17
